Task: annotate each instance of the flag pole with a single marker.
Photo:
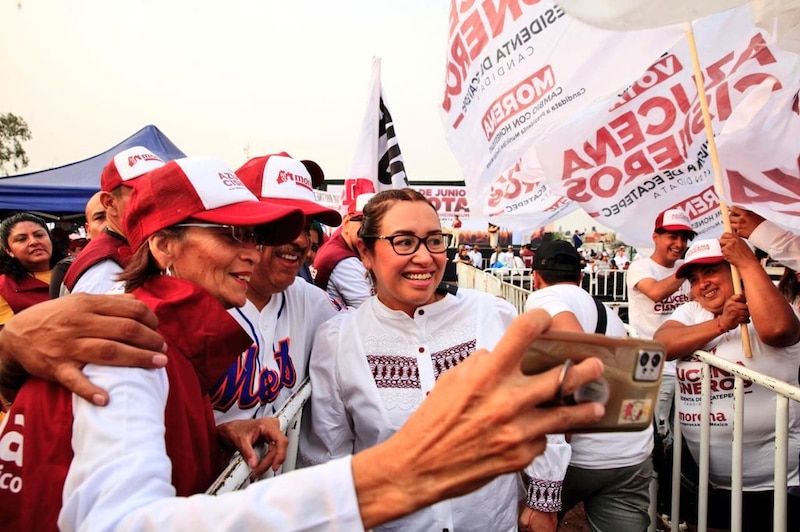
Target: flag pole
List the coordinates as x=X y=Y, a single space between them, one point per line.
x=712 y=151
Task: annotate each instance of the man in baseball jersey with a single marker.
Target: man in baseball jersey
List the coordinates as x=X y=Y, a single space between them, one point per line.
x=339 y=268
x=95 y=270
x=282 y=313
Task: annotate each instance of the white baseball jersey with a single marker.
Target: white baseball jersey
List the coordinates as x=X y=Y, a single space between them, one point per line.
x=267 y=374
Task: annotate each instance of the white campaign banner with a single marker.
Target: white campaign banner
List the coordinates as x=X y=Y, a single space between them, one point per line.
x=520 y=198
x=633 y=156
x=760 y=145
x=517 y=68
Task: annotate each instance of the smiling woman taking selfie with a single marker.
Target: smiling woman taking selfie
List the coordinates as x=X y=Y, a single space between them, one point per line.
x=27 y=256
x=371 y=368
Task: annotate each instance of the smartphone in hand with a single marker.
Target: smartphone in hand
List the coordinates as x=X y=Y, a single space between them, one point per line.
x=630 y=382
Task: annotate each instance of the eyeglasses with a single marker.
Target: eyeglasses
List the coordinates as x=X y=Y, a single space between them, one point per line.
x=404 y=244
x=243 y=235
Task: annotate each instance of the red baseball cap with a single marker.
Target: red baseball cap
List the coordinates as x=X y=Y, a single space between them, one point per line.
x=674 y=220
x=205 y=189
x=128 y=165
x=281 y=180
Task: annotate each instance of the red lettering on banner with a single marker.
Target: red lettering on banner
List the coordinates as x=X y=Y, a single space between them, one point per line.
x=658 y=72
x=524 y=95
x=470 y=34
x=509 y=187
x=595 y=169
x=746 y=191
x=700 y=204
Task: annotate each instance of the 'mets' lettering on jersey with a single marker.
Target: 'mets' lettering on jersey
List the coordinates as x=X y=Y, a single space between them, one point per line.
x=247 y=385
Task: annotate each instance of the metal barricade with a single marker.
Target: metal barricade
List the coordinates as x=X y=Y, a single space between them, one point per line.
x=237 y=474
x=785 y=392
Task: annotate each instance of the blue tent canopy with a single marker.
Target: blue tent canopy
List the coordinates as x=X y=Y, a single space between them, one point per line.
x=66 y=189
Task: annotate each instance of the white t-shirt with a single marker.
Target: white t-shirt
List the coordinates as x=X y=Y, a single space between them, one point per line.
x=594 y=451
x=270 y=371
x=477 y=258
x=99 y=278
x=759 y=411
x=349 y=282
x=372 y=367
x=646 y=315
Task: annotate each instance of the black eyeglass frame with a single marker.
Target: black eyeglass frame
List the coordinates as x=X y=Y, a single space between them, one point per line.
x=420 y=240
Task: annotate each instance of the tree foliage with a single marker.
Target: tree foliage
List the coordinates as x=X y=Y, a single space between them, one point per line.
x=13 y=132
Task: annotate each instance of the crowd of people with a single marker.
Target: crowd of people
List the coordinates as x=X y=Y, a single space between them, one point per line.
x=205 y=297
x=205 y=330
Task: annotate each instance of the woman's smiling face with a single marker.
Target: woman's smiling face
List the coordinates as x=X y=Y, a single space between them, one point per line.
x=406 y=282
x=711 y=285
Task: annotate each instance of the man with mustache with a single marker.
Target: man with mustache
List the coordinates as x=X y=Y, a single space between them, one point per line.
x=281 y=314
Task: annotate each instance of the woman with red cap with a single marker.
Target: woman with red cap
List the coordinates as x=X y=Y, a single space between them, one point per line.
x=197 y=232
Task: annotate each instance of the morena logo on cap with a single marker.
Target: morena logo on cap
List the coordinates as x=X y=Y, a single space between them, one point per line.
x=133 y=160
x=697 y=249
x=285 y=176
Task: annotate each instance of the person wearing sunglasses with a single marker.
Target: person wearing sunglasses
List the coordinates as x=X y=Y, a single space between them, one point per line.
x=197 y=235
x=372 y=367
x=282 y=312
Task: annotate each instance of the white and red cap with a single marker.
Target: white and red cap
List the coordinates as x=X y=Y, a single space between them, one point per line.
x=701 y=252
x=205 y=189
x=128 y=165
x=357 y=207
x=674 y=220
x=281 y=180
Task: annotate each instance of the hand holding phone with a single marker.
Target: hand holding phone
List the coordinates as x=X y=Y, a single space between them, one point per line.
x=630 y=382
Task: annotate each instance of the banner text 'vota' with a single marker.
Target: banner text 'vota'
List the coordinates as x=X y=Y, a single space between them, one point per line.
x=646 y=133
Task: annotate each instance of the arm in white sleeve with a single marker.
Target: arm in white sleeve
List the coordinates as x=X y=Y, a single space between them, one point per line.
x=545 y=475
x=326 y=432
x=782 y=245
x=120 y=478
x=352 y=281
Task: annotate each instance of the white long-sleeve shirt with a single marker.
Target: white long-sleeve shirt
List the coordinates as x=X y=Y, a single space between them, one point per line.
x=125 y=483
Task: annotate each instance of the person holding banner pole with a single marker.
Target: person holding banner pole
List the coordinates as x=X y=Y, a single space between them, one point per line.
x=712 y=322
x=782 y=245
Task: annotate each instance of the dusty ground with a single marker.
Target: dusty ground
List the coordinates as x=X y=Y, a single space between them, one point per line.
x=574 y=521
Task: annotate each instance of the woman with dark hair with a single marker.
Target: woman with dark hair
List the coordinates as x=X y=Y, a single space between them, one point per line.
x=371 y=368
x=27 y=257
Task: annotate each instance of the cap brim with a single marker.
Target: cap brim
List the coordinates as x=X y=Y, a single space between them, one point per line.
x=681 y=271
x=311 y=210
x=676 y=228
x=284 y=223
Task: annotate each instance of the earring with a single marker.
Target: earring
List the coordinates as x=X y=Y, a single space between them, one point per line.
x=168 y=272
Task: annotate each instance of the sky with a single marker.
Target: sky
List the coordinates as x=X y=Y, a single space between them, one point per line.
x=228 y=78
